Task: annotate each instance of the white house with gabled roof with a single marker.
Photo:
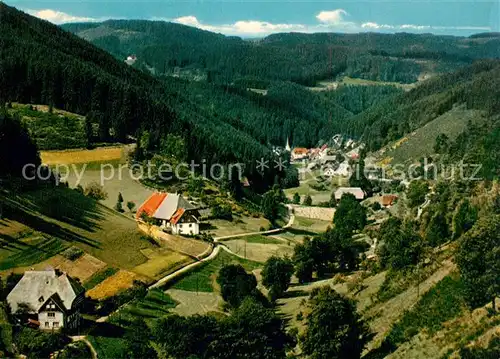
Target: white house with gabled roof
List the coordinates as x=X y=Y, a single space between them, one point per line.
x=50 y=299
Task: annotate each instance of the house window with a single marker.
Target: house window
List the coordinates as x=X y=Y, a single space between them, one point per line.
x=47 y=324
x=56 y=325
x=51 y=315
x=190 y=225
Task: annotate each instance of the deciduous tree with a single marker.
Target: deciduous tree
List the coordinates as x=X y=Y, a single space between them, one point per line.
x=276 y=275
x=478 y=259
x=334 y=329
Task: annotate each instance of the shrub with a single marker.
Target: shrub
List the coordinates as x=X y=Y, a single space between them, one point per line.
x=376 y=206
x=222 y=212
x=96 y=191
x=307 y=201
x=72 y=253
x=130 y=206
x=37 y=344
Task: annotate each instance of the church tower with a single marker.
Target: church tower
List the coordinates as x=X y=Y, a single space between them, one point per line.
x=287 y=147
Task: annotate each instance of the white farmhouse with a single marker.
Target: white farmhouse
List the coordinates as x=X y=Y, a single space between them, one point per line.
x=47 y=299
x=172 y=212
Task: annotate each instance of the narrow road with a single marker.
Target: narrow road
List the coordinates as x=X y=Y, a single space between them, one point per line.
x=217 y=248
x=83 y=338
x=185 y=269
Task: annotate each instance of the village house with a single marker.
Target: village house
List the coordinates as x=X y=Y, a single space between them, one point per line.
x=299 y=153
x=131 y=60
x=343 y=170
x=47 y=299
x=329 y=171
x=172 y=212
x=356 y=191
x=388 y=200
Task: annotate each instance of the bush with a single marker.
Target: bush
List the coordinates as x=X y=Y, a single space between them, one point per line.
x=222 y=212
x=37 y=344
x=130 y=206
x=307 y=201
x=72 y=253
x=376 y=206
x=96 y=191
x=78 y=350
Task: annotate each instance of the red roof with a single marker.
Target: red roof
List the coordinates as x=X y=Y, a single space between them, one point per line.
x=151 y=205
x=388 y=200
x=300 y=150
x=177 y=216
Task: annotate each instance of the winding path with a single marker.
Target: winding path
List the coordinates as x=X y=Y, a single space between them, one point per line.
x=217 y=247
x=83 y=338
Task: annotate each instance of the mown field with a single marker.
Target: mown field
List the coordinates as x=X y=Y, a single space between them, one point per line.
x=94 y=157
x=362 y=82
x=110 y=343
x=239 y=225
x=61 y=217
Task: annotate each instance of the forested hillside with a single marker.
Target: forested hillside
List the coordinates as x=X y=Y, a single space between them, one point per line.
x=301 y=58
x=43 y=64
x=477 y=87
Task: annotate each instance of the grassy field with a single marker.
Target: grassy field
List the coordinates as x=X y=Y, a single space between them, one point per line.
x=113 y=284
x=99 y=277
x=108 y=347
x=161 y=262
x=203 y=277
x=155 y=305
x=309 y=186
x=100 y=155
x=261 y=239
x=28 y=251
x=260 y=251
x=438 y=305
x=310 y=224
x=220 y=228
x=64 y=215
x=362 y=82
x=109 y=343
x=114 y=182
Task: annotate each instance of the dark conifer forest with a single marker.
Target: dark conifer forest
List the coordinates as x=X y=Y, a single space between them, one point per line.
x=219 y=119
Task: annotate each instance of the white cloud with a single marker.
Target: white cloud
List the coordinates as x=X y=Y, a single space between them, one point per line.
x=243 y=27
x=58 y=17
x=332 y=17
x=327 y=20
x=411 y=27
x=188 y=20
x=375 y=26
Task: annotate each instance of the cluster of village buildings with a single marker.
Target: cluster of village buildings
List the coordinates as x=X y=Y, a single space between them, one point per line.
x=332 y=160
x=51 y=300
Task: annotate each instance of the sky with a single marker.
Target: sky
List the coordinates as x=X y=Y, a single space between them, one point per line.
x=258 y=18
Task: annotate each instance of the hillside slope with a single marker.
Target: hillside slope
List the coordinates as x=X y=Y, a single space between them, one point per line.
x=66 y=218
x=46 y=65
x=475 y=90
x=302 y=58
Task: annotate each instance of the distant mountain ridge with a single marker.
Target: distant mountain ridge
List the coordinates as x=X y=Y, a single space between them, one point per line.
x=298 y=57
